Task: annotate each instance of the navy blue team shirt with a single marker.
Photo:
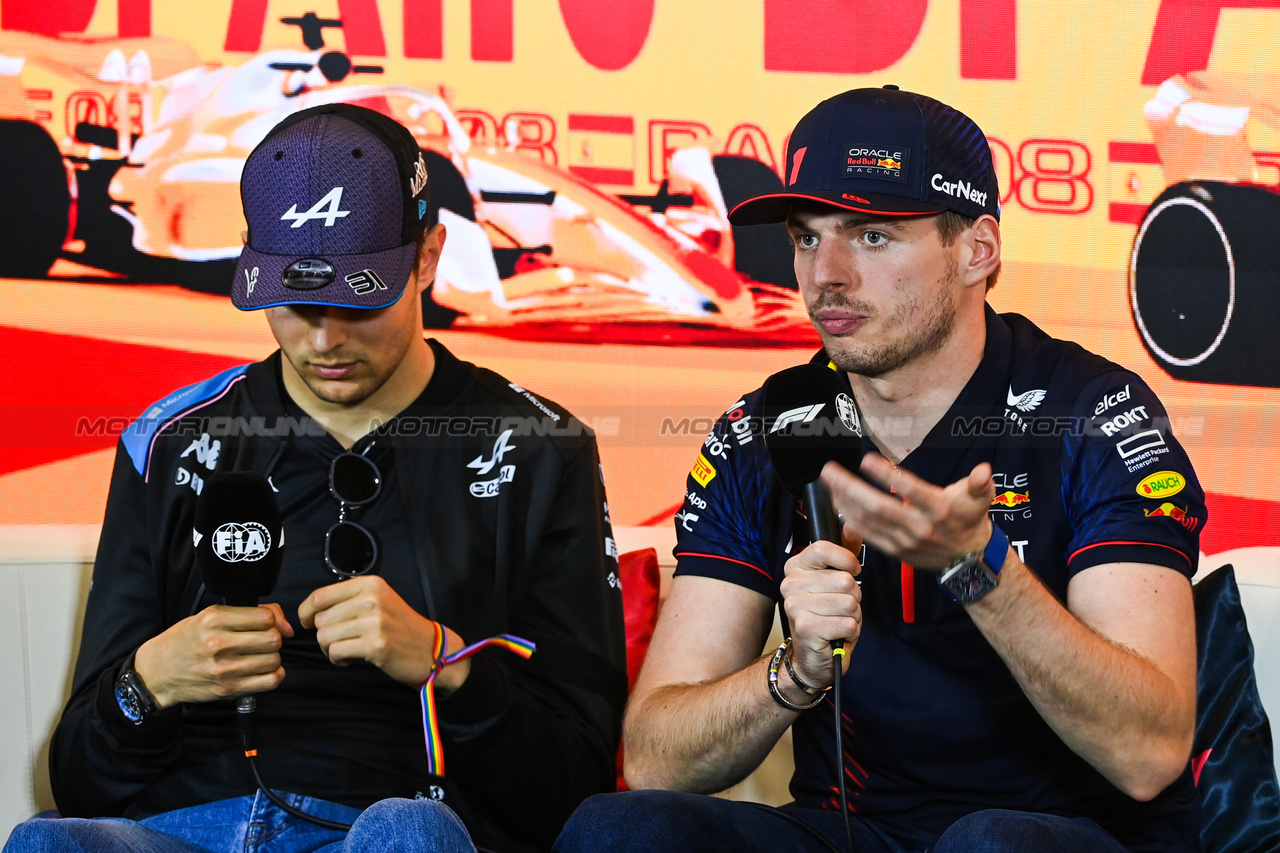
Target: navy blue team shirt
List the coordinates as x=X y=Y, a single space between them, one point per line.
x=1087 y=472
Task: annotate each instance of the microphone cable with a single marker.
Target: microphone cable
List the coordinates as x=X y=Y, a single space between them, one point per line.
x=837 y=655
x=245 y=708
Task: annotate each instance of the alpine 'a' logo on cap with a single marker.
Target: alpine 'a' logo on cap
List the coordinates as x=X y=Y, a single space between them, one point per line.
x=327 y=208
x=879 y=162
x=365 y=281
x=307 y=274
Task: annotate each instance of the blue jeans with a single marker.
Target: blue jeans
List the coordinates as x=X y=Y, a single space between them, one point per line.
x=656 y=821
x=254 y=825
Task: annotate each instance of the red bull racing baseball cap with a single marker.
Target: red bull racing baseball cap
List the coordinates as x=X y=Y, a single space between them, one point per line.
x=884 y=152
x=336 y=199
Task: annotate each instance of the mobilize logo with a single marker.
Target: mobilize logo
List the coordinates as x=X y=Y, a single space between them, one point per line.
x=238 y=543
x=326 y=208
x=959 y=189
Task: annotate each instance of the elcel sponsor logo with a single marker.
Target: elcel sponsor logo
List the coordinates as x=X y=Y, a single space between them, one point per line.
x=1109 y=400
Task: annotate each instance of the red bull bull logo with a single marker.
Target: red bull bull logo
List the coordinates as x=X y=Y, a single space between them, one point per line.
x=1177 y=513
x=1011 y=499
x=890 y=163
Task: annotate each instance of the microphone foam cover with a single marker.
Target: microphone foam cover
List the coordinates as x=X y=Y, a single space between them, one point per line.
x=238 y=537
x=810 y=419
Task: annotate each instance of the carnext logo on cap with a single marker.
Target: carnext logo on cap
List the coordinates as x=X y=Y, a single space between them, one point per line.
x=959 y=189
x=869 y=161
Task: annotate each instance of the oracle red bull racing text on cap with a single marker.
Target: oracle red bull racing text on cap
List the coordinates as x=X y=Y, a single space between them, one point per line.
x=336 y=199
x=883 y=151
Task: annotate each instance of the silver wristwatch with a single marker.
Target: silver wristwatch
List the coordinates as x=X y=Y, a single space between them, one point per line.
x=971 y=576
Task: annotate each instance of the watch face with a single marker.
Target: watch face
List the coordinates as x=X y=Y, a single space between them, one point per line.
x=130 y=705
x=969 y=581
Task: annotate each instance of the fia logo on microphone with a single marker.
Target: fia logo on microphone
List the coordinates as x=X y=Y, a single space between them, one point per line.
x=237 y=543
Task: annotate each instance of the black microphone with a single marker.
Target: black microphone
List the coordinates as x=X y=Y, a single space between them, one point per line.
x=239 y=537
x=239 y=542
x=810 y=420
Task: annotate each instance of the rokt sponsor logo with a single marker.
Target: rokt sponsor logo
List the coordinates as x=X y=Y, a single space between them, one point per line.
x=1134 y=416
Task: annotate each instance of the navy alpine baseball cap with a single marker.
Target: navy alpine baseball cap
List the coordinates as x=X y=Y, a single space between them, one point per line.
x=336 y=199
x=883 y=151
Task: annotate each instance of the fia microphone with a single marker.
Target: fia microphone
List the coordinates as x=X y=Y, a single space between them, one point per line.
x=239 y=542
x=810 y=420
x=239 y=537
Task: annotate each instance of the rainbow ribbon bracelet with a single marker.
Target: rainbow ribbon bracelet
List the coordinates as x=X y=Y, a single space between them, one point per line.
x=430 y=722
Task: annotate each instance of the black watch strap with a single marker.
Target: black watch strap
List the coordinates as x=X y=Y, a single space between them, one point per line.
x=132 y=696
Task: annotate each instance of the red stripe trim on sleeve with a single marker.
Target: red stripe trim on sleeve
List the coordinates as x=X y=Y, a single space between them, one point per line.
x=726 y=559
x=908 y=593
x=1151 y=544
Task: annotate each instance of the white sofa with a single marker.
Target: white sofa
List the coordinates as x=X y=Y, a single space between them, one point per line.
x=44 y=579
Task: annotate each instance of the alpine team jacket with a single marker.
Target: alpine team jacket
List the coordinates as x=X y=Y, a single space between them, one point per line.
x=525 y=549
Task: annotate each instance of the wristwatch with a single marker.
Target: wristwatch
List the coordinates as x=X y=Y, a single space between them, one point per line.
x=133 y=697
x=973 y=575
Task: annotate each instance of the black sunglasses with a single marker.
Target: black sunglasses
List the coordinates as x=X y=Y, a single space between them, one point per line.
x=350 y=549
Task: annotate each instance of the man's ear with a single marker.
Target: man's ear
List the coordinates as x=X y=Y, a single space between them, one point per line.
x=429 y=256
x=983 y=238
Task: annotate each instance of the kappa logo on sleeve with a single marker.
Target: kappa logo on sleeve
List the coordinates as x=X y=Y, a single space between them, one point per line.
x=206 y=450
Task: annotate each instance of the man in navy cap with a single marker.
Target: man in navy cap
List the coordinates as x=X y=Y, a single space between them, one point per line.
x=1016 y=634
x=442 y=523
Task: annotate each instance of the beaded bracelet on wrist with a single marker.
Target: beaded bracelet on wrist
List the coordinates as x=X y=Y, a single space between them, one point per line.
x=774 y=664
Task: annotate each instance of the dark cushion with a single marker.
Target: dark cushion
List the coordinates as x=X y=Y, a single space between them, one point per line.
x=1232 y=757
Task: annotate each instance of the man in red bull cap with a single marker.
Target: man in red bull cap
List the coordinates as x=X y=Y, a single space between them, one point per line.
x=1018 y=674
